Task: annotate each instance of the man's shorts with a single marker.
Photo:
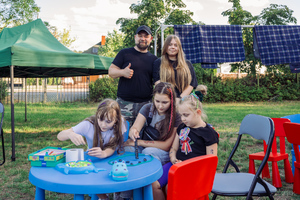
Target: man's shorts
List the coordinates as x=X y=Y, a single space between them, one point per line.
x=130 y=110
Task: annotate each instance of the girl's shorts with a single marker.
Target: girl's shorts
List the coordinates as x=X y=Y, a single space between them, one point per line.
x=163 y=180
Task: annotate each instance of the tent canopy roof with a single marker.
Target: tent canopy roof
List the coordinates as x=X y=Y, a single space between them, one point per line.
x=35 y=52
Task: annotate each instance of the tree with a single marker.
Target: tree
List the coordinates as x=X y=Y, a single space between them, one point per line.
x=17 y=12
x=153 y=13
x=114 y=43
x=276 y=15
x=273 y=15
x=236 y=15
x=62 y=36
x=65 y=38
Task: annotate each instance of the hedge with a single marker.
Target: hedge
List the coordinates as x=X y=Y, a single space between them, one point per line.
x=271 y=87
x=246 y=89
x=3 y=90
x=103 y=88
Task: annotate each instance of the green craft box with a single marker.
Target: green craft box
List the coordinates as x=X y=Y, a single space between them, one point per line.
x=47 y=163
x=47 y=157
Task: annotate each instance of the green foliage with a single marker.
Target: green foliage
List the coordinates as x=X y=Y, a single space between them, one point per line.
x=50 y=81
x=272 y=15
x=103 y=88
x=31 y=81
x=152 y=13
x=114 y=43
x=236 y=15
x=271 y=88
x=276 y=15
x=17 y=12
x=205 y=75
x=62 y=36
x=3 y=90
x=54 y=81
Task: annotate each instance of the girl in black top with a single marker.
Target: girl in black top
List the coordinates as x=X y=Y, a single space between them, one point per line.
x=194 y=138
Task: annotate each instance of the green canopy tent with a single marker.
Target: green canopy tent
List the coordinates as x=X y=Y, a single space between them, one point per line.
x=30 y=50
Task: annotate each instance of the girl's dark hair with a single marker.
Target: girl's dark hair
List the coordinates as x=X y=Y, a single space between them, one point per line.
x=166 y=126
x=108 y=109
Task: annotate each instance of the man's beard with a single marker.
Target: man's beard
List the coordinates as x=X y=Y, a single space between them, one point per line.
x=142 y=47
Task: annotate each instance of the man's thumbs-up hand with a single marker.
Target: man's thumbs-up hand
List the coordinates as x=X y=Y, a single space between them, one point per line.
x=128 y=73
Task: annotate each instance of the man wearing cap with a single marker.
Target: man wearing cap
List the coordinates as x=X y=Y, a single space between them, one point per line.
x=134 y=68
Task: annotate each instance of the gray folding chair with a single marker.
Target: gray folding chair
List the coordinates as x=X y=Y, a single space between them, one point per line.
x=246 y=184
x=1 y=131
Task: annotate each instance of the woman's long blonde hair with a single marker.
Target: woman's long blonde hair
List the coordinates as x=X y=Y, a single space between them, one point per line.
x=109 y=109
x=167 y=74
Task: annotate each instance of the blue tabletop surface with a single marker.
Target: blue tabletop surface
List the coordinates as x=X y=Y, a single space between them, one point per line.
x=140 y=175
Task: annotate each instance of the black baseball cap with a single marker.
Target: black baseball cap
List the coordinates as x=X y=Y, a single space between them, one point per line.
x=144 y=28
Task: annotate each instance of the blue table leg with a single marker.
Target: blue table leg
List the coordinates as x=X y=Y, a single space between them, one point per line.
x=94 y=197
x=78 y=196
x=39 y=193
x=148 y=194
x=138 y=194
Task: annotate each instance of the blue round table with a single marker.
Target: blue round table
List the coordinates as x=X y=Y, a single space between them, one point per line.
x=140 y=178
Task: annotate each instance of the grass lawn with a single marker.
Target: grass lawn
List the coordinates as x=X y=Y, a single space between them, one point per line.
x=44 y=121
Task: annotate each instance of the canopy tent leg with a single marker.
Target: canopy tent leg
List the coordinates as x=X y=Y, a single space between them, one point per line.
x=13 y=158
x=25 y=99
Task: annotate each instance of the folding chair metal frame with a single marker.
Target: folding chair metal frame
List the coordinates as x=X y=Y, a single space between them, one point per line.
x=247 y=184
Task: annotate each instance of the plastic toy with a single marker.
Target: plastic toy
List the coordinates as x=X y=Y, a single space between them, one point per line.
x=47 y=157
x=130 y=159
x=119 y=171
x=78 y=167
x=48 y=154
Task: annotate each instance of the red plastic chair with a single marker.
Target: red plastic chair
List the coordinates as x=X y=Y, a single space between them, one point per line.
x=292 y=131
x=192 y=178
x=275 y=156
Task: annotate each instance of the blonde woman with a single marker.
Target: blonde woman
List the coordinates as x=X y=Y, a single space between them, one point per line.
x=173 y=68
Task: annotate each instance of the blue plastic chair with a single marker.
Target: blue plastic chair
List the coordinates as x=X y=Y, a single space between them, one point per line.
x=247 y=184
x=1 y=131
x=293 y=118
x=293 y=159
